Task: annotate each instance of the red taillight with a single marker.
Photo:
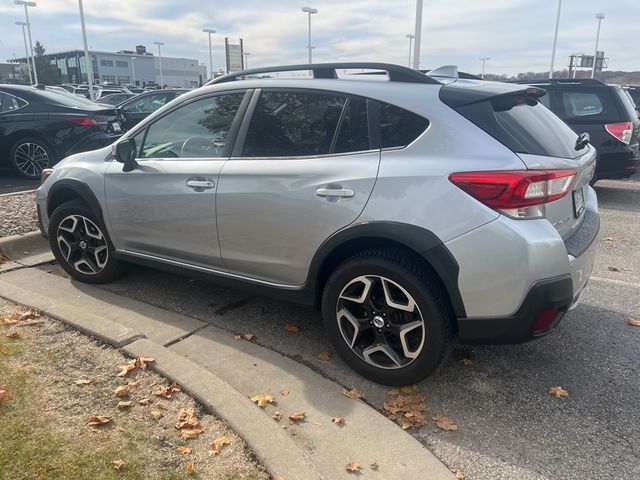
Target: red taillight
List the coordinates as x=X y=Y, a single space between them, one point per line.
x=83 y=121
x=622 y=131
x=515 y=189
x=545 y=318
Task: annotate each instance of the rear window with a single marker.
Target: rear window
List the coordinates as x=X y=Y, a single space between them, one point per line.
x=581 y=104
x=64 y=100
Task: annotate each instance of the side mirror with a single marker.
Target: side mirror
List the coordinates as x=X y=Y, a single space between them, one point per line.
x=125 y=152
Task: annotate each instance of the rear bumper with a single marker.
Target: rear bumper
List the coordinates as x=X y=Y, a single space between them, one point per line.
x=620 y=164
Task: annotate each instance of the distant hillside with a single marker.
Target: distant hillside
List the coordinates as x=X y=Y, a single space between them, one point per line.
x=622 y=78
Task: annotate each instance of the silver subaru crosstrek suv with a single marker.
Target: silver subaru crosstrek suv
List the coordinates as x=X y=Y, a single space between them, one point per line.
x=410 y=208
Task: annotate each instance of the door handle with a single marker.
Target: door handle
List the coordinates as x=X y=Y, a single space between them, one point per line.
x=335 y=192
x=200 y=184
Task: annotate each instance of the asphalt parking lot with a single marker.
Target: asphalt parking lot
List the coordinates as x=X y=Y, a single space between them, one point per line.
x=509 y=425
x=11 y=183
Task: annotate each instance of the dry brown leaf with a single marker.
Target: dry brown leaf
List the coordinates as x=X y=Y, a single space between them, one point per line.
x=374 y=466
x=5 y=393
x=99 y=420
x=613 y=269
x=121 y=391
x=218 y=444
x=8 y=321
x=324 y=356
x=118 y=464
x=277 y=416
x=292 y=328
x=82 y=381
x=284 y=392
x=634 y=322
x=393 y=392
x=156 y=414
x=558 y=392
x=352 y=467
x=144 y=401
x=126 y=404
x=13 y=335
x=408 y=389
x=190 y=468
x=3 y=350
x=467 y=362
x=132 y=385
x=188 y=419
x=610 y=240
x=29 y=314
x=141 y=362
x=166 y=392
x=296 y=416
x=460 y=475
x=245 y=336
x=191 y=433
x=125 y=370
x=337 y=419
x=263 y=400
x=445 y=423
x=183 y=450
x=408 y=411
x=3 y=257
x=353 y=393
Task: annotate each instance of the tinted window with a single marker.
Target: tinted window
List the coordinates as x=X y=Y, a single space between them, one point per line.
x=399 y=127
x=293 y=124
x=581 y=104
x=196 y=130
x=628 y=102
x=9 y=103
x=532 y=128
x=545 y=100
x=146 y=103
x=353 y=135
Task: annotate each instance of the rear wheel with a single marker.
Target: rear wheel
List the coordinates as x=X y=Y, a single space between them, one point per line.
x=29 y=156
x=81 y=245
x=387 y=317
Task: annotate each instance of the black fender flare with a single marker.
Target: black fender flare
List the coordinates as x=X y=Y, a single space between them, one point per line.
x=82 y=190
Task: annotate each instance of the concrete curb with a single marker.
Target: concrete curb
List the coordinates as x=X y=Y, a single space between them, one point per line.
x=15 y=245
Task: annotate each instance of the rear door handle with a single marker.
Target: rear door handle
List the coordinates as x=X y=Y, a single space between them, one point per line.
x=200 y=184
x=335 y=192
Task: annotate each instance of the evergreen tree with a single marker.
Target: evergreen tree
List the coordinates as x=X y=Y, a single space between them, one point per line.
x=47 y=74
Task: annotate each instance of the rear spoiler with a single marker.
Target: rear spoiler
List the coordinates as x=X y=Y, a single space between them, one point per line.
x=463 y=92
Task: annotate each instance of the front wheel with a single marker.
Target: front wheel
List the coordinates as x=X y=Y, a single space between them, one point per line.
x=387 y=317
x=81 y=246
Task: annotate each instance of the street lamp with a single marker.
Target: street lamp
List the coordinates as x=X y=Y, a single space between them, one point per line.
x=26 y=14
x=26 y=49
x=210 y=31
x=246 y=59
x=133 y=68
x=600 y=17
x=418 y=35
x=310 y=11
x=87 y=59
x=555 y=39
x=484 y=60
x=159 y=44
x=410 y=36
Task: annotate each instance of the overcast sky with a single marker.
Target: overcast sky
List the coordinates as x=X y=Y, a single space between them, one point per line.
x=516 y=34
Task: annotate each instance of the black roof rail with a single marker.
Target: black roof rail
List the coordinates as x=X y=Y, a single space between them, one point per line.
x=397 y=73
x=560 y=81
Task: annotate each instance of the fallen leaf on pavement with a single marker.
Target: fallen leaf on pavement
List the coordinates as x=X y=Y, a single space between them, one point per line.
x=324 y=356
x=166 y=392
x=374 y=466
x=82 y=381
x=218 y=444
x=118 y=464
x=613 y=269
x=99 y=419
x=29 y=314
x=353 y=393
x=610 y=240
x=291 y=328
x=190 y=468
x=5 y=393
x=245 y=336
x=296 y=416
x=409 y=389
x=284 y=392
x=126 y=404
x=558 y=392
x=634 y=322
x=460 y=475
x=337 y=419
x=277 y=416
x=125 y=370
x=156 y=414
x=408 y=411
x=141 y=362
x=8 y=321
x=352 y=467
x=263 y=400
x=183 y=450
x=445 y=423
x=467 y=362
x=13 y=335
x=144 y=401
x=3 y=257
x=187 y=418
x=121 y=391
x=191 y=433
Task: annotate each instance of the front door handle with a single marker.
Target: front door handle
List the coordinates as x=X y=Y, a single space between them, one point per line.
x=335 y=192
x=200 y=184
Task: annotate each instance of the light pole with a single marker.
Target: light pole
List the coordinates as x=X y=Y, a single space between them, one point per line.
x=133 y=68
x=26 y=49
x=87 y=58
x=246 y=59
x=484 y=60
x=418 y=35
x=26 y=14
x=600 y=17
x=410 y=36
x=159 y=44
x=210 y=31
x=310 y=11
x=555 y=39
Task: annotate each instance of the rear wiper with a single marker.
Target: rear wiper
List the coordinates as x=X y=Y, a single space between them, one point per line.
x=582 y=141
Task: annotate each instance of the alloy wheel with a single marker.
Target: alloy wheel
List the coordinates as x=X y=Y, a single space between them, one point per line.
x=380 y=321
x=31 y=158
x=82 y=244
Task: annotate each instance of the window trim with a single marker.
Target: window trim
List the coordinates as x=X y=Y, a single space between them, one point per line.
x=248 y=116
x=26 y=103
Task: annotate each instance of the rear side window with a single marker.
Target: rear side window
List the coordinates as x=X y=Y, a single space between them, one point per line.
x=399 y=127
x=581 y=104
x=627 y=101
x=9 y=103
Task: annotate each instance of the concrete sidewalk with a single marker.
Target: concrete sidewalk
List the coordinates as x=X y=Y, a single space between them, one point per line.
x=223 y=373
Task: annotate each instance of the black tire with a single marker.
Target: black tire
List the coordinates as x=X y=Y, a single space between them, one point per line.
x=89 y=253
x=31 y=169
x=433 y=309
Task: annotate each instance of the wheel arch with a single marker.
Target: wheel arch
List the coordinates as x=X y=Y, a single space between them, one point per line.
x=66 y=190
x=421 y=244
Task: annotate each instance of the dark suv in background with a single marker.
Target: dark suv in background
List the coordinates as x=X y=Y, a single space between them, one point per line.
x=605 y=112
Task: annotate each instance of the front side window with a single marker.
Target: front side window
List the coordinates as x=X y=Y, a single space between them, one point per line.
x=293 y=124
x=399 y=127
x=196 y=130
x=147 y=103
